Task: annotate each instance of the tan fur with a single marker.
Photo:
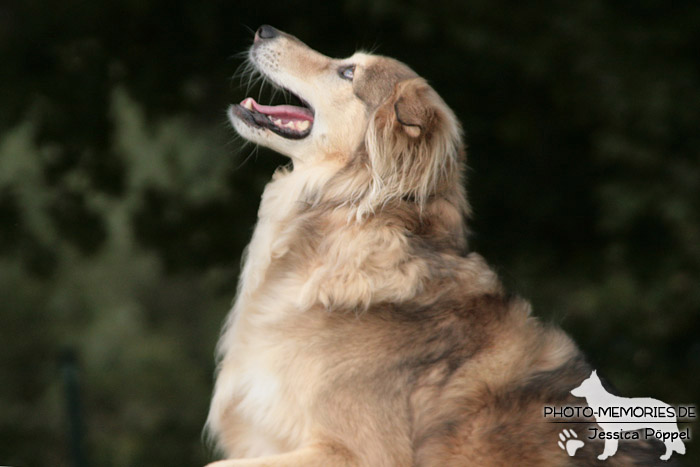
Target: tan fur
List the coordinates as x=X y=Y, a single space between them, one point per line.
x=363 y=334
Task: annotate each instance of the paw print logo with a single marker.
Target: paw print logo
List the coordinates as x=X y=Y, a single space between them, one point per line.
x=569 y=441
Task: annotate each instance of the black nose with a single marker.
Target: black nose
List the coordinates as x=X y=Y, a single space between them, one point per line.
x=267 y=32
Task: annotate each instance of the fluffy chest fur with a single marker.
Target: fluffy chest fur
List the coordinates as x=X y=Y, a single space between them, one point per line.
x=257 y=382
x=300 y=319
x=301 y=264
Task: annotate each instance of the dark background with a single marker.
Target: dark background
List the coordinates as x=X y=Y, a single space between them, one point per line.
x=125 y=198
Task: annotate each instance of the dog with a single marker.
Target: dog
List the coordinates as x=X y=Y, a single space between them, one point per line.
x=364 y=332
x=597 y=398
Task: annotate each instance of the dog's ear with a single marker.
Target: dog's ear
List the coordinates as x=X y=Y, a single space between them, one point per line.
x=413 y=108
x=414 y=144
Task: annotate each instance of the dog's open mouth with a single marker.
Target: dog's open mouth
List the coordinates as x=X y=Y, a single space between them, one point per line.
x=288 y=121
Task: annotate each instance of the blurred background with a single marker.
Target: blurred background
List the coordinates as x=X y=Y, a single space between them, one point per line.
x=125 y=198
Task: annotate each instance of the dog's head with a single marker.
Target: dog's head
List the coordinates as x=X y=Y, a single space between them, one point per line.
x=589 y=386
x=365 y=108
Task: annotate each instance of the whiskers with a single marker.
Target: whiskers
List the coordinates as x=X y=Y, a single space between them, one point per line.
x=247 y=74
x=254 y=151
x=249 y=77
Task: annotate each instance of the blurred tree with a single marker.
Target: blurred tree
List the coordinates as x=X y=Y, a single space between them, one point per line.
x=123 y=210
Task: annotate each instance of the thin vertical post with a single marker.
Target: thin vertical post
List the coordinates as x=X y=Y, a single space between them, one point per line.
x=70 y=373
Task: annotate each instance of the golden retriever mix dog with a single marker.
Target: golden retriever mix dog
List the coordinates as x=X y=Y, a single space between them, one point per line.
x=364 y=333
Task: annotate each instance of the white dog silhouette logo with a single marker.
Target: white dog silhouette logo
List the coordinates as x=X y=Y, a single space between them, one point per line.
x=617 y=414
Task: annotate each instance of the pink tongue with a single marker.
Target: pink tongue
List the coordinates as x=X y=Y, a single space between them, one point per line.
x=288 y=112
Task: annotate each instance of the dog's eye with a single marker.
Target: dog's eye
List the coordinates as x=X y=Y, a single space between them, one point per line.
x=347 y=72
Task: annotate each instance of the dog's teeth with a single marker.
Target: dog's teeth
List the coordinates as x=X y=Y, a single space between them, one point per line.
x=304 y=125
x=289 y=124
x=277 y=121
x=248 y=104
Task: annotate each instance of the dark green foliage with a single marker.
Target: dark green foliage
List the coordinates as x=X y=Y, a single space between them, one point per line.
x=125 y=199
